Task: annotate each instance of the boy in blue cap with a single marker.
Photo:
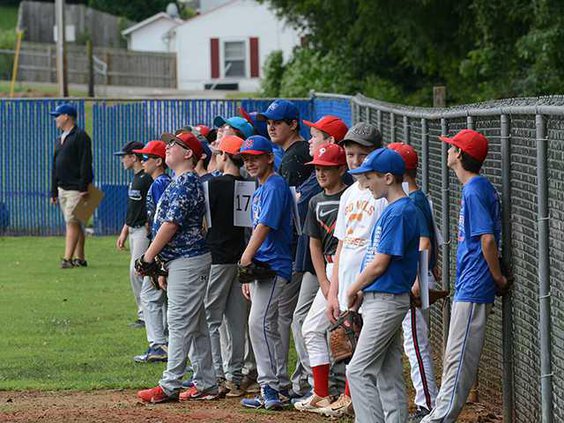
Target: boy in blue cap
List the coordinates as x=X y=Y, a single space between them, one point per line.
x=270 y=244
x=389 y=268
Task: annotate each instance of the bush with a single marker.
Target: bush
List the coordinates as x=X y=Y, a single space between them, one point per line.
x=273 y=73
x=7 y=42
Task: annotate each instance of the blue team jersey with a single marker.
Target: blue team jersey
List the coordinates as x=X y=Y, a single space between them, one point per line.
x=272 y=205
x=426 y=224
x=396 y=234
x=182 y=203
x=155 y=192
x=480 y=214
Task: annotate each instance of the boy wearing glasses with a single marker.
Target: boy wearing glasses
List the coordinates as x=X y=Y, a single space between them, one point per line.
x=135 y=220
x=179 y=240
x=153 y=299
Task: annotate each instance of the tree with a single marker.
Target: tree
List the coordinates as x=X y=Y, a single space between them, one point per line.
x=135 y=10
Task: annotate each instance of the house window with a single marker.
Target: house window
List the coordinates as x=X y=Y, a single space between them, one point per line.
x=234 y=59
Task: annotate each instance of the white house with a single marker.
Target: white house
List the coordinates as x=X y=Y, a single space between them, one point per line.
x=152 y=34
x=226 y=47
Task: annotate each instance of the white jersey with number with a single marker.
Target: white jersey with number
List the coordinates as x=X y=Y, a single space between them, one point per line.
x=358 y=213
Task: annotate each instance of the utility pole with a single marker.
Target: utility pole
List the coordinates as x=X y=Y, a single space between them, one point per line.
x=61 y=57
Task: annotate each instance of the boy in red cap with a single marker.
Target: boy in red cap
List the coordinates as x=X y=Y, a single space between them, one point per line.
x=330 y=166
x=224 y=300
x=327 y=130
x=415 y=329
x=179 y=240
x=153 y=300
x=478 y=274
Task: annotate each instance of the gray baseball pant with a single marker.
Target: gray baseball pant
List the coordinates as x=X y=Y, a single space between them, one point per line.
x=188 y=329
x=466 y=336
x=154 y=312
x=224 y=298
x=138 y=244
x=375 y=373
x=264 y=331
x=302 y=379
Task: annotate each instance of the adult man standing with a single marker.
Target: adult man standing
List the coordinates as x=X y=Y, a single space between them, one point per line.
x=71 y=174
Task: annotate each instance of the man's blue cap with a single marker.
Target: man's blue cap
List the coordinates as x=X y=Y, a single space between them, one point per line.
x=280 y=110
x=236 y=122
x=64 y=109
x=256 y=145
x=129 y=147
x=382 y=160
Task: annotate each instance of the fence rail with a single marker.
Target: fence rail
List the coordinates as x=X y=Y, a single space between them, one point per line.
x=523 y=358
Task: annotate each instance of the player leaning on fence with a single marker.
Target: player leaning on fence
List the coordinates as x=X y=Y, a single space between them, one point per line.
x=71 y=174
x=478 y=274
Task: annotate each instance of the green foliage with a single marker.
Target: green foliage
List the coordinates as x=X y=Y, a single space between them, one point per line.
x=399 y=49
x=135 y=10
x=273 y=72
x=7 y=42
x=187 y=13
x=8 y=17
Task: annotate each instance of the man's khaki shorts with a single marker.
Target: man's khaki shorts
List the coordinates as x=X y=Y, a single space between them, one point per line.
x=68 y=199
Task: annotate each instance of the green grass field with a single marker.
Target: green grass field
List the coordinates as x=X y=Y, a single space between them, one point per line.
x=68 y=329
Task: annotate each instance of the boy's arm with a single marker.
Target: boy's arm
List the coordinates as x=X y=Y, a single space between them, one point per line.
x=316 y=251
x=333 y=309
x=257 y=238
x=489 y=250
x=120 y=243
x=373 y=270
x=163 y=237
x=424 y=244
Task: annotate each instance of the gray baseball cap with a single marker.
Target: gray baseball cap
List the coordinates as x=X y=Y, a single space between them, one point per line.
x=364 y=134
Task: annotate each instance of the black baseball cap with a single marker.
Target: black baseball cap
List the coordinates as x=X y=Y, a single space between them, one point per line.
x=129 y=147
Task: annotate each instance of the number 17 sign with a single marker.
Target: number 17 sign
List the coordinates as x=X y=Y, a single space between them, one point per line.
x=242 y=203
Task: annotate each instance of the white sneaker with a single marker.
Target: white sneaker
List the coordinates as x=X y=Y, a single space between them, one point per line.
x=341 y=407
x=314 y=403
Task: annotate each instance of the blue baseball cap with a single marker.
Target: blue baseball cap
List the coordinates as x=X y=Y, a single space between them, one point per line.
x=64 y=109
x=256 y=145
x=129 y=147
x=382 y=160
x=260 y=125
x=280 y=110
x=235 y=122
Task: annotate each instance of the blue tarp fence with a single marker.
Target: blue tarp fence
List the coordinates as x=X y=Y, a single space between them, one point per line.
x=28 y=134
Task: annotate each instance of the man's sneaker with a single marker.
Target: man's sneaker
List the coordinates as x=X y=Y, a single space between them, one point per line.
x=154 y=354
x=268 y=399
x=222 y=388
x=76 y=262
x=418 y=415
x=249 y=385
x=341 y=407
x=138 y=324
x=188 y=383
x=314 y=403
x=194 y=394
x=156 y=395
x=66 y=264
x=234 y=389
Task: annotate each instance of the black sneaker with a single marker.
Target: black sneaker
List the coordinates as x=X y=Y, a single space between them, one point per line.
x=66 y=264
x=138 y=324
x=418 y=415
x=76 y=262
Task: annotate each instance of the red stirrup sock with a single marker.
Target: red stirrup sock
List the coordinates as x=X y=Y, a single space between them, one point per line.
x=321 y=380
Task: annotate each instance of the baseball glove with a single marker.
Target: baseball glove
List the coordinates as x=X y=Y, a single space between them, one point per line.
x=256 y=271
x=343 y=335
x=152 y=270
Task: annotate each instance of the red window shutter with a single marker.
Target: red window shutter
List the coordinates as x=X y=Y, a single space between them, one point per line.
x=214 y=55
x=254 y=43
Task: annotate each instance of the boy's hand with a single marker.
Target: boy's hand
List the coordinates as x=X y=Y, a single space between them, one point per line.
x=162 y=282
x=333 y=310
x=246 y=290
x=354 y=298
x=503 y=285
x=120 y=243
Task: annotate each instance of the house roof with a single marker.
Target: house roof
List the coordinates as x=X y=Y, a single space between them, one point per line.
x=150 y=20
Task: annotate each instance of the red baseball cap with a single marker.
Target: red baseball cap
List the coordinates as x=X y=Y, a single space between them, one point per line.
x=230 y=144
x=202 y=129
x=187 y=139
x=331 y=125
x=329 y=155
x=471 y=142
x=407 y=153
x=153 y=148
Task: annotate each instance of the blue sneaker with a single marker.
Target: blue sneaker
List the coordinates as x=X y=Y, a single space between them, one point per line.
x=154 y=354
x=268 y=399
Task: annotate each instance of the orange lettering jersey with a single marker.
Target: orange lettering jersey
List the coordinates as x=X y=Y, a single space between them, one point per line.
x=358 y=213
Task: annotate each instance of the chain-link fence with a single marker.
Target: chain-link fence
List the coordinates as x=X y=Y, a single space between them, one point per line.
x=524 y=350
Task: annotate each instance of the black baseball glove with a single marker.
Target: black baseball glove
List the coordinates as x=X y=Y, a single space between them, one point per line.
x=152 y=270
x=256 y=271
